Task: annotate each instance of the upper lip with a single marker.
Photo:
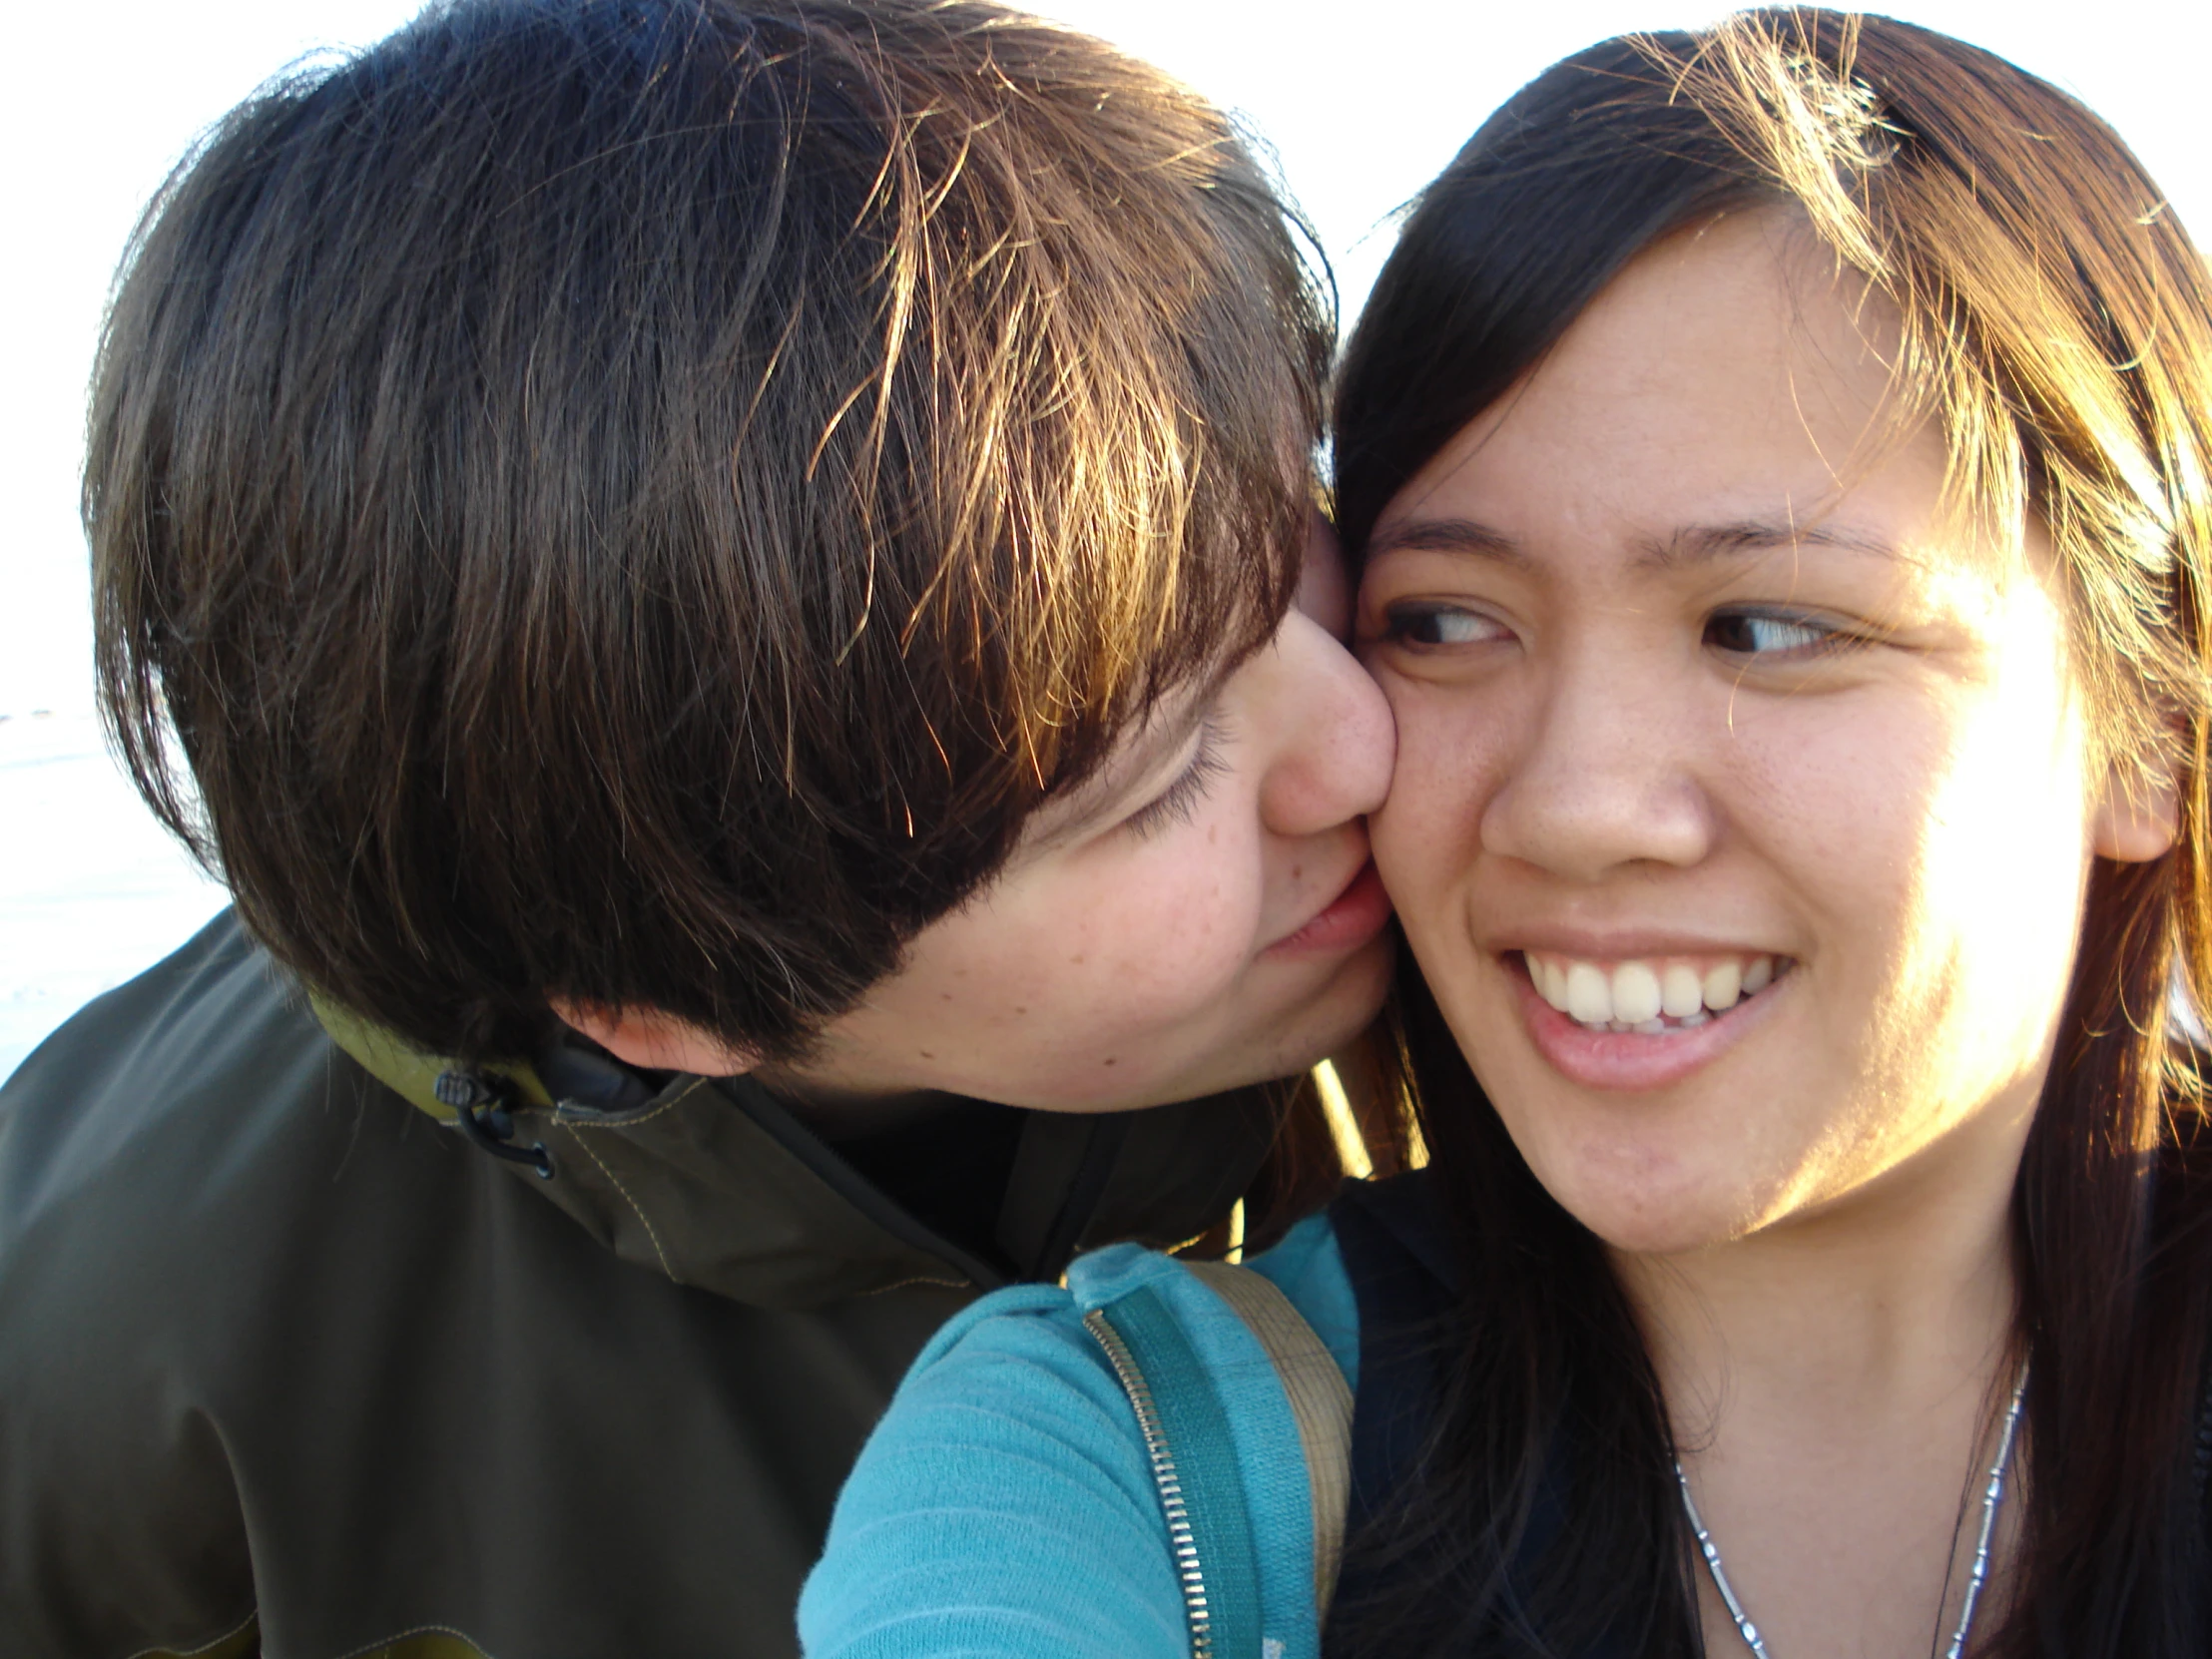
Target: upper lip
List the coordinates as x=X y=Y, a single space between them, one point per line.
x=1610 y=944
x=1359 y=869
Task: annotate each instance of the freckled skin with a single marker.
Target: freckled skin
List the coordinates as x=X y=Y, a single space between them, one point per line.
x=1132 y=954
x=1122 y=969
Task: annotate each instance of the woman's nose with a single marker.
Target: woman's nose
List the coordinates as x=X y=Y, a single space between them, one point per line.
x=1332 y=730
x=1602 y=779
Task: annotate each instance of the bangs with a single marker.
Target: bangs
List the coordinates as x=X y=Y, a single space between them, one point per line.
x=639 y=502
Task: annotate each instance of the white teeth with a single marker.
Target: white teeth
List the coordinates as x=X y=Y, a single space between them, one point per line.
x=1635 y=994
x=1548 y=978
x=1681 y=991
x=1723 y=988
x=1647 y=996
x=1589 y=997
x=1555 y=986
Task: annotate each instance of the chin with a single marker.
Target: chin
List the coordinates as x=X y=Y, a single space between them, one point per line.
x=1652 y=1210
x=1662 y=1232
x=1344 y=1008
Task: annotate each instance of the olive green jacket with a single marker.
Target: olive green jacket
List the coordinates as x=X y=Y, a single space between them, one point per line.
x=288 y=1367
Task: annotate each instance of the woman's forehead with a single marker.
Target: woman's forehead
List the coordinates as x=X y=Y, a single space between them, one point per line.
x=1729 y=376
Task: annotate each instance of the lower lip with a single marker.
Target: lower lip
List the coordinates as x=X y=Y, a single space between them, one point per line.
x=1625 y=1062
x=1356 y=915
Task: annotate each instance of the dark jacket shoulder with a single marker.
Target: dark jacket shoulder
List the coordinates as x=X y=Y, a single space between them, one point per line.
x=281 y=1356
x=273 y=1345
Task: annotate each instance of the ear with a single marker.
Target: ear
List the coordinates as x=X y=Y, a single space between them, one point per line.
x=2138 y=819
x=652 y=1041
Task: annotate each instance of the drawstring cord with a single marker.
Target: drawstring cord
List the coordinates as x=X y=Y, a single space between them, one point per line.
x=482 y=1111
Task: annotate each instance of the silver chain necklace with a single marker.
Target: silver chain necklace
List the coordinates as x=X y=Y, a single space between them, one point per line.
x=1991 y=1496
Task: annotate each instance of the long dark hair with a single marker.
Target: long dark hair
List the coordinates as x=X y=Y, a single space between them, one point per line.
x=2058 y=326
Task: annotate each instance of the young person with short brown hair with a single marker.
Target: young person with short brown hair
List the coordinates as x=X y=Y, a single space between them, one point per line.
x=715 y=580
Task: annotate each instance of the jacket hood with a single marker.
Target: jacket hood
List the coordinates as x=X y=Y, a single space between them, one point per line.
x=716 y=1184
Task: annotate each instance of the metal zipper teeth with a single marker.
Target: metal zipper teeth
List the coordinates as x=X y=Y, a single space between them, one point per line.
x=1164 y=1475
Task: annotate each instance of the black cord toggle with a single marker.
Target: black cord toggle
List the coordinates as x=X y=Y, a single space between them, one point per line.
x=483 y=1111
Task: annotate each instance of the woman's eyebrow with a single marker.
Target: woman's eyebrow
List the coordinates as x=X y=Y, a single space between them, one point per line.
x=1447 y=535
x=1692 y=544
x=1698 y=544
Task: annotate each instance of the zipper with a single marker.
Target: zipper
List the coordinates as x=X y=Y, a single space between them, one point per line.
x=1180 y=1542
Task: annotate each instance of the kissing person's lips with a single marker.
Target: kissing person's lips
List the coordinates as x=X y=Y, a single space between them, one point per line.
x=1349 y=921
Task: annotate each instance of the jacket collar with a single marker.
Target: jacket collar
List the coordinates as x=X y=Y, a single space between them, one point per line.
x=714 y=1183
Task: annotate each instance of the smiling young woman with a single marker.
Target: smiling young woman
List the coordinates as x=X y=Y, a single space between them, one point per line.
x=1742 y=836
x=1778 y=462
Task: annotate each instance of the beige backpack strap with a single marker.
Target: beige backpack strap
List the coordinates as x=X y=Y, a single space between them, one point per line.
x=1321 y=1402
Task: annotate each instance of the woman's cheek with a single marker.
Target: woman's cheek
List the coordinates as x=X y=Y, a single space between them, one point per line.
x=1428 y=828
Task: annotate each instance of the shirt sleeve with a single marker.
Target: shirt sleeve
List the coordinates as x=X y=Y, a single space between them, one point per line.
x=1004 y=1507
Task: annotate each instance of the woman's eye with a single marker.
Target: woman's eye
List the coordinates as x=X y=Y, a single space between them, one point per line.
x=1764 y=634
x=1430 y=624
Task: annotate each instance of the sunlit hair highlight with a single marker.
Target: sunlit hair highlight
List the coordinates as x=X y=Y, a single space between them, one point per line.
x=2067 y=370
x=639 y=500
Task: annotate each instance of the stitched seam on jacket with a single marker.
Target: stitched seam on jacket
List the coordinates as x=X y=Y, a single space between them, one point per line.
x=418 y=1630
x=635 y=1208
x=922 y=1279
x=669 y=1105
x=230 y=1635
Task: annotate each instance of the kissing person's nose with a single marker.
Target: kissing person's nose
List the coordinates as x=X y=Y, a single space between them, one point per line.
x=1335 y=739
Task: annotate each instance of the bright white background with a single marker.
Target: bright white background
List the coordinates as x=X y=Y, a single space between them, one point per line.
x=1360 y=102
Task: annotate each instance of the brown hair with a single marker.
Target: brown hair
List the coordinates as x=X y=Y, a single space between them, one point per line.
x=2058 y=324
x=637 y=499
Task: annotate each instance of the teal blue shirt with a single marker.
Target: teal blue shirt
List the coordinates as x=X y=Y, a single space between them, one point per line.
x=1005 y=1505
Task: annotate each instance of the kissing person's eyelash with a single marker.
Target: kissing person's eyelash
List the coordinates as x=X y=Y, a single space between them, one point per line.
x=1178 y=803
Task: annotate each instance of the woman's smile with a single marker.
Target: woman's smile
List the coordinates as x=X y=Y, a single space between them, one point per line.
x=1642 y=1022
x=1722 y=746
